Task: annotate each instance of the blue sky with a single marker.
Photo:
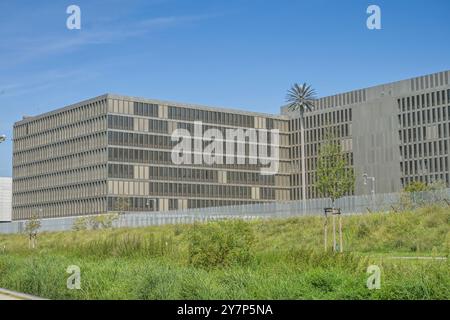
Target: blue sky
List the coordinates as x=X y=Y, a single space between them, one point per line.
x=231 y=53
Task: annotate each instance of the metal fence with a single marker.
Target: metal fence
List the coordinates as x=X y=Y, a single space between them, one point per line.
x=348 y=205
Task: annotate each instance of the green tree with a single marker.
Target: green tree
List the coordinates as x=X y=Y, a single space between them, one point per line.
x=80 y=224
x=32 y=227
x=418 y=194
x=416 y=186
x=301 y=98
x=334 y=177
x=120 y=207
x=334 y=180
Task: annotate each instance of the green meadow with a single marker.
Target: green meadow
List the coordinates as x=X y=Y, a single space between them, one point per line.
x=262 y=259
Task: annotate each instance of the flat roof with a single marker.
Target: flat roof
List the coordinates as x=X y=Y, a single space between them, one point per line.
x=152 y=101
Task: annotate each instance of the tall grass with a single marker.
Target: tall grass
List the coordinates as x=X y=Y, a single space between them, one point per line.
x=277 y=259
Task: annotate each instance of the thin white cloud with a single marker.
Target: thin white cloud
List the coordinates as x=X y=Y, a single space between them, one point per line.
x=23 y=50
x=42 y=81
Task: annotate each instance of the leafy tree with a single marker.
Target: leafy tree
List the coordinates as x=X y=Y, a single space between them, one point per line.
x=301 y=98
x=418 y=194
x=121 y=206
x=334 y=177
x=334 y=180
x=416 y=186
x=31 y=229
x=105 y=221
x=80 y=224
x=102 y=221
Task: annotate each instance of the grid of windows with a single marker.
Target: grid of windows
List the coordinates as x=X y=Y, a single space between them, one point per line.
x=59 y=162
x=83 y=158
x=424 y=132
x=216 y=117
x=317 y=126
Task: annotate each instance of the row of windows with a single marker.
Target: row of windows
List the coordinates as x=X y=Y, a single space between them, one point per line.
x=121 y=123
x=426 y=149
x=323 y=119
x=70 y=146
x=165 y=142
x=250 y=178
x=210 y=191
x=131 y=124
x=122 y=171
x=55 y=179
x=230 y=119
x=133 y=188
x=60 y=119
x=425 y=100
x=148 y=204
x=61 y=134
x=163 y=157
x=428 y=179
x=315 y=137
x=145 y=109
x=424 y=166
x=55 y=194
x=133 y=204
x=424 y=117
x=184 y=174
x=429 y=81
x=160 y=126
x=140 y=140
x=424 y=133
x=342 y=99
x=75 y=161
x=262 y=135
x=61 y=209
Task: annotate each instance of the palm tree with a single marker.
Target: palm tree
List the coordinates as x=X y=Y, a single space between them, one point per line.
x=301 y=98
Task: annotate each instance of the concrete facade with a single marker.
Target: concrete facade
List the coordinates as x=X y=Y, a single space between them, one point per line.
x=397 y=132
x=5 y=199
x=113 y=152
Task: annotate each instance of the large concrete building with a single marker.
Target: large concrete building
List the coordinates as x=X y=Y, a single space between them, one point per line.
x=114 y=151
x=5 y=199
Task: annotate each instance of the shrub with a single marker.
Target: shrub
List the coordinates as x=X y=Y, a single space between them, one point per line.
x=104 y=221
x=220 y=244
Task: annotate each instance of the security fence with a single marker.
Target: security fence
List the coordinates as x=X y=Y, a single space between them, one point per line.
x=349 y=205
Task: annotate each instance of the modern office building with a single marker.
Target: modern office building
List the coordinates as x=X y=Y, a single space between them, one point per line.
x=396 y=133
x=115 y=151
x=5 y=199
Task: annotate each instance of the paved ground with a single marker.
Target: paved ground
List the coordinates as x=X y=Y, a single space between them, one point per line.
x=11 y=295
x=5 y=297
x=419 y=258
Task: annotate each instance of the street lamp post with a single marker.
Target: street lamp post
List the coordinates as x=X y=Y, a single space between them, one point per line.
x=366 y=178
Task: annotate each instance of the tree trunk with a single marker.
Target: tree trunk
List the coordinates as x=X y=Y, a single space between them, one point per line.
x=334 y=232
x=325 y=231
x=340 y=235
